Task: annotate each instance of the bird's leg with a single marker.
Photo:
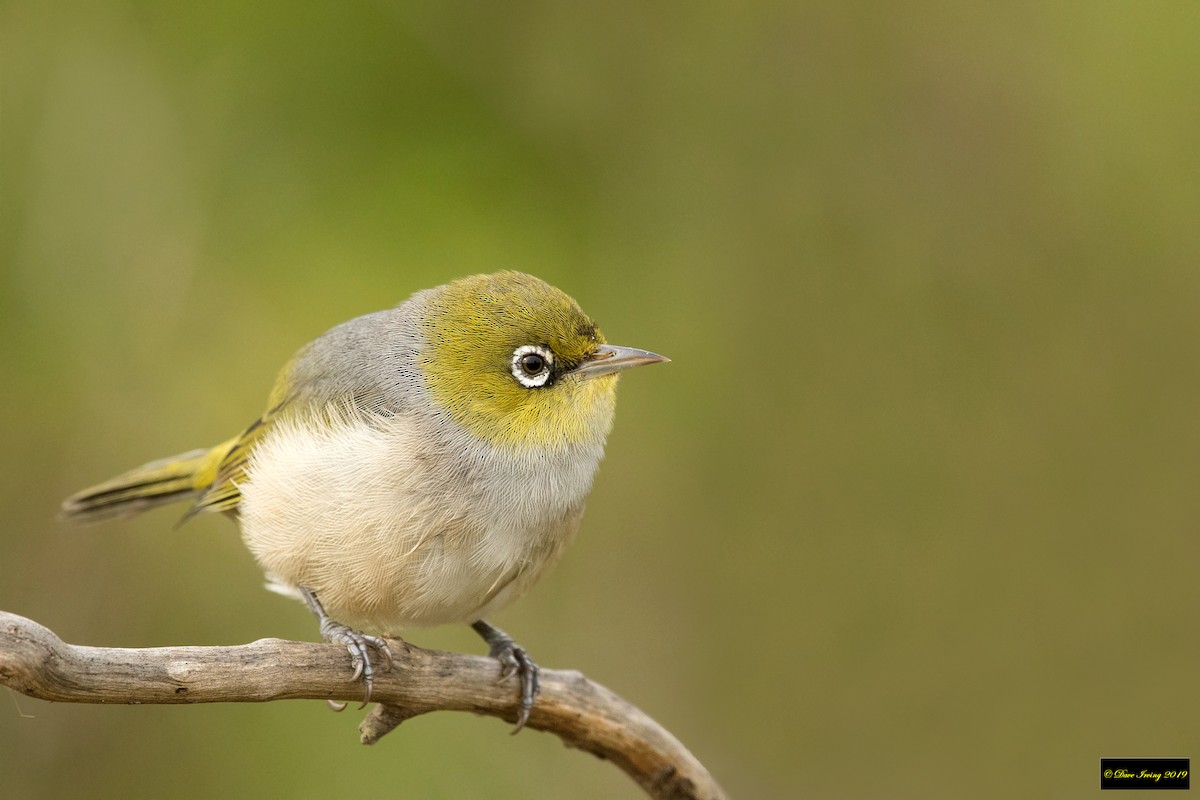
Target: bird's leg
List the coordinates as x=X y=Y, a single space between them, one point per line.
x=356 y=642
x=513 y=659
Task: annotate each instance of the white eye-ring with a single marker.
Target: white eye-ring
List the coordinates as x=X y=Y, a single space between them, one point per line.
x=532 y=365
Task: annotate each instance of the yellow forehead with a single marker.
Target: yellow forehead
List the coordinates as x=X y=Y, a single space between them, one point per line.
x=471 y=328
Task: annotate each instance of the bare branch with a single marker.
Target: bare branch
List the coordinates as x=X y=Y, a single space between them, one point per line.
x=583 y=714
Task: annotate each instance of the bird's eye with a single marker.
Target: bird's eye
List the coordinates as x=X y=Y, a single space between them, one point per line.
x=531 y=365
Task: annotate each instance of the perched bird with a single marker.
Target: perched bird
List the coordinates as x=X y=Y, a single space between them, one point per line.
x=414 y=467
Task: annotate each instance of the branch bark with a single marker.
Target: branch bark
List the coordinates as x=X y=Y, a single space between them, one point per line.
x=585 y=715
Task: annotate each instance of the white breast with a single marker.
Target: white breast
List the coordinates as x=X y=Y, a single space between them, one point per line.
x=393 y=526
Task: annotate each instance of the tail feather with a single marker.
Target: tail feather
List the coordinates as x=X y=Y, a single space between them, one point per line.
x=164 y=481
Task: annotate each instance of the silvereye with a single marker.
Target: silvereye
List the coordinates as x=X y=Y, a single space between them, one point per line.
x=414 y=467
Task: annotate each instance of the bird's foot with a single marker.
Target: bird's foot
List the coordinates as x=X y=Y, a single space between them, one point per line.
x=513 y=661
x=357 y=643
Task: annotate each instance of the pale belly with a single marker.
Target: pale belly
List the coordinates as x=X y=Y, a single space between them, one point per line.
x=389 y=538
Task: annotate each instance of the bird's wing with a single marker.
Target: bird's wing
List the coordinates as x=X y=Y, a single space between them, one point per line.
x=227 y=471
x=363 y=352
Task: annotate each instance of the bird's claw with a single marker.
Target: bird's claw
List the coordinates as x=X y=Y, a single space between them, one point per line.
x=359 y=645
x=513 y=660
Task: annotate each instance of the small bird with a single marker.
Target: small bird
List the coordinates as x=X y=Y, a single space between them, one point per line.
x=414 y=467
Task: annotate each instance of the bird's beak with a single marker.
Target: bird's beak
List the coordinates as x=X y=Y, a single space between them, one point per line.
x=610 y=358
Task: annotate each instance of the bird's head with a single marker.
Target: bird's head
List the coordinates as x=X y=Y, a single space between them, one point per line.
x=516 y=362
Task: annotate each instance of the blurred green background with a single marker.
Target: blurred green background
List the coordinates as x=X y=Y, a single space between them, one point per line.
x=913 y=512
